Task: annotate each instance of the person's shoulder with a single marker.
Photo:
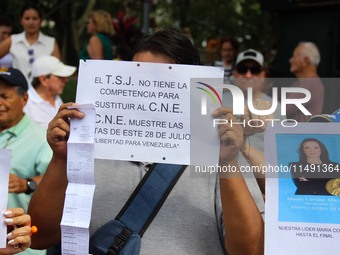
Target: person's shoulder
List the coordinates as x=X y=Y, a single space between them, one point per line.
x=101 y=35
x=35 y=129
x=95 y=38
x=311 y=83
x=218 y=63
x=45 y=38
x=17 y=37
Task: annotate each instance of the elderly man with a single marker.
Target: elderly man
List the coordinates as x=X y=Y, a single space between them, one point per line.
x=49 y=79
x=30 y=151
x=303 y=64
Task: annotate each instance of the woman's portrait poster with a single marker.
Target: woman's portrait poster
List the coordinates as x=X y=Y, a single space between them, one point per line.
x=304 y=195
x=302 y=198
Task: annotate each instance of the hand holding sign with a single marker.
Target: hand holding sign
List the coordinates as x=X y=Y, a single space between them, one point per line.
x=231 y=136
x=257 y=123
x=59 y=129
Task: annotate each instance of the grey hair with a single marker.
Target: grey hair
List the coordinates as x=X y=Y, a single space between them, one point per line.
x=20 y=90
x=311 y=51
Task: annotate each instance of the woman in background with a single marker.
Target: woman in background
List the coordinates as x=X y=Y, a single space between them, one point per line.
x=25 y=47
x=228 y=51
x=100 y=28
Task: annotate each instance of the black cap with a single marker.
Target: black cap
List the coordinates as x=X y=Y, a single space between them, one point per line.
x=13 y=77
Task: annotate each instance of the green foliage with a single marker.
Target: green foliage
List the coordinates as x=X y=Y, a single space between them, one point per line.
x=69 y=93
x=242 y=19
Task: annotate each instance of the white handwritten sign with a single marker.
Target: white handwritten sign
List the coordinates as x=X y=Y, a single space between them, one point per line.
x=143 y=109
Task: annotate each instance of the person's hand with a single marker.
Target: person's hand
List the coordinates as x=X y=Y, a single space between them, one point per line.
x=257 y=123
x=19 y=230
x=59 y=129
x=231 y=135
x=16 y=184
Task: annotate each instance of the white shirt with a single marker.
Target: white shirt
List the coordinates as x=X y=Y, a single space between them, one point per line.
x=20 y=51
x=39 y=110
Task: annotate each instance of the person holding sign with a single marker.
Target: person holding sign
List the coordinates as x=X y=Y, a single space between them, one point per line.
x=186 y=223
x=242 y=219
x=19 y=225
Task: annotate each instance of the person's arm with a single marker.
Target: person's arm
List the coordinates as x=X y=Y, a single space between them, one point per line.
x=95 y=48
x=56 y=51
x=18 y=237
x=5 y=46
x=19 y=185
x=47 y=202
x=242 y=221
x=255 y=158
x=258 y=122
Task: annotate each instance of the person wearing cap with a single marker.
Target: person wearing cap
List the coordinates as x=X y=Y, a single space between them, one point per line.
x=31 y=153
x=49 y=78
x=303 y=64
x=249 y=73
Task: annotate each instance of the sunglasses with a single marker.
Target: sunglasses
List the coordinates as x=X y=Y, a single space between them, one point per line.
x=244 y=69
x=31 y=54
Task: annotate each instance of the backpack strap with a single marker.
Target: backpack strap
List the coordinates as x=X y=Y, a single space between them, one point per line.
x=123 y=234
x=149 y=196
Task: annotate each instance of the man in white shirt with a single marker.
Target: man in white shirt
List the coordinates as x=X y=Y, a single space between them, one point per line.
x=49 y=78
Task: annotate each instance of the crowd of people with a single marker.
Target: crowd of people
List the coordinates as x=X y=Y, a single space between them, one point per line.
x=34 y=124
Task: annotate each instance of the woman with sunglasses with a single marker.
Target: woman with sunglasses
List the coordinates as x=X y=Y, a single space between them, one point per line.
x=25 y=47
